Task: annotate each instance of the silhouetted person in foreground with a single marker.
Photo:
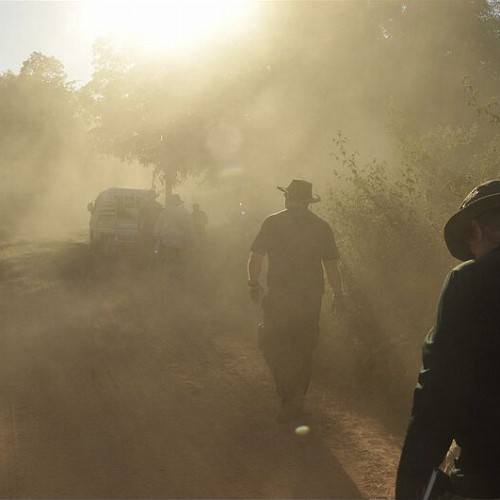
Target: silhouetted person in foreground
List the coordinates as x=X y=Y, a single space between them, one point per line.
x=458 y=391
x=175 y=234
x=298 y=245
x=200 y=221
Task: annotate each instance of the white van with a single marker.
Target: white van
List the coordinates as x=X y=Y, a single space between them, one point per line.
x=116 y=219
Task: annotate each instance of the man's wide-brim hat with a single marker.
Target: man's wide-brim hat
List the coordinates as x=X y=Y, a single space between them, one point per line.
x=300 y=190
x=457 y=230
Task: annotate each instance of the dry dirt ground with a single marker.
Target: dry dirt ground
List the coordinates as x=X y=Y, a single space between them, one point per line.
x=118 y=383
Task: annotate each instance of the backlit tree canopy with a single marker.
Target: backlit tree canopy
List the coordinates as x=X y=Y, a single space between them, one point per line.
x=282 y=92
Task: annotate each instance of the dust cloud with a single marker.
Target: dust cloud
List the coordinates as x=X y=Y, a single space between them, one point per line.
x=227 y=125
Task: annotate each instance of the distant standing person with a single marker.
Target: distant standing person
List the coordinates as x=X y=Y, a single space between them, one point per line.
x=174 y=232
x=149 y=215
x=298 y=244
x=200 y=221
x=458 y=391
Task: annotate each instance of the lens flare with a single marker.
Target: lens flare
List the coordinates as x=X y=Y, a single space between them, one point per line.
x=302 y=430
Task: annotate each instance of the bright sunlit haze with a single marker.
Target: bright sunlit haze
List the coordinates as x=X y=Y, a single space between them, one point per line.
x=164 y=27
x=132 y=351
x=68 y=30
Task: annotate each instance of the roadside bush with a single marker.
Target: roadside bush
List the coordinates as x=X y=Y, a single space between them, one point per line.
x=388 y=220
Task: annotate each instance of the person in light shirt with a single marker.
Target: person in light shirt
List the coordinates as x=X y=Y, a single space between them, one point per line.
x=175 y=233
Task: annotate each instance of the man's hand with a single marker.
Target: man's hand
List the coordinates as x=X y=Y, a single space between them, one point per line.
x=255 y=291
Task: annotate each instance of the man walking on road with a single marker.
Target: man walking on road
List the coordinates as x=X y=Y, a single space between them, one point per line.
x=458 y=391
x=298 y=245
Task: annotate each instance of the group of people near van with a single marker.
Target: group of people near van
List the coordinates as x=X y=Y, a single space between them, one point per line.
x=457 y=396
x=171 y=230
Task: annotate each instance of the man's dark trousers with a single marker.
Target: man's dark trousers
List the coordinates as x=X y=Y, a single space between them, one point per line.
x=288 y=337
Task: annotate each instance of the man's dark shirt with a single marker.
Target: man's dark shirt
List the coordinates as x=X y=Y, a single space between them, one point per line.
x=296 y=241
x=458 y=391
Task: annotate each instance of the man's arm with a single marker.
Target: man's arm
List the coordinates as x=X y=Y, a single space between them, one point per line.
x=254 y=269
x=334 y=277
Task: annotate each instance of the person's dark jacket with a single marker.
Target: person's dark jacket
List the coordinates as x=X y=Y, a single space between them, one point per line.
x=458 y=391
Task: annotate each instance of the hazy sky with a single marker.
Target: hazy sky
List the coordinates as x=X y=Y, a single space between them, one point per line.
x=67 y=29
x=47 y=27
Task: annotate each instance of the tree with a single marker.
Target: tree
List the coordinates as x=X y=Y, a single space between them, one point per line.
x=46 y=70
x=284 y=92
x=41 y=134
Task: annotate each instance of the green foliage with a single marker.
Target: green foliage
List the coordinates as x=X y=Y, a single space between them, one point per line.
x=152 y=113
x=273 y=99
x=481 y=109
x=40 y=130
x=387 y=233
x=45 y=70
x=389 y=220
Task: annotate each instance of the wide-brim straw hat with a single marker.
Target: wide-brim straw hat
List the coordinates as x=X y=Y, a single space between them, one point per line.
x=300 y=190
x=457 y=230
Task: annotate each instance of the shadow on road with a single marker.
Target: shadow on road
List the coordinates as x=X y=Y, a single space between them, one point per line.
x=118 y=385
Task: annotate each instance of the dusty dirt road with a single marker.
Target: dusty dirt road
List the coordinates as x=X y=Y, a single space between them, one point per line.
x=116 y=384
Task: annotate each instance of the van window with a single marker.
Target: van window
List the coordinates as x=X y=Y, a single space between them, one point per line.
x=129 y=202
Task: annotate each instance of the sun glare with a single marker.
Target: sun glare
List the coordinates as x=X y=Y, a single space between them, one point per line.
x=169 y=25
